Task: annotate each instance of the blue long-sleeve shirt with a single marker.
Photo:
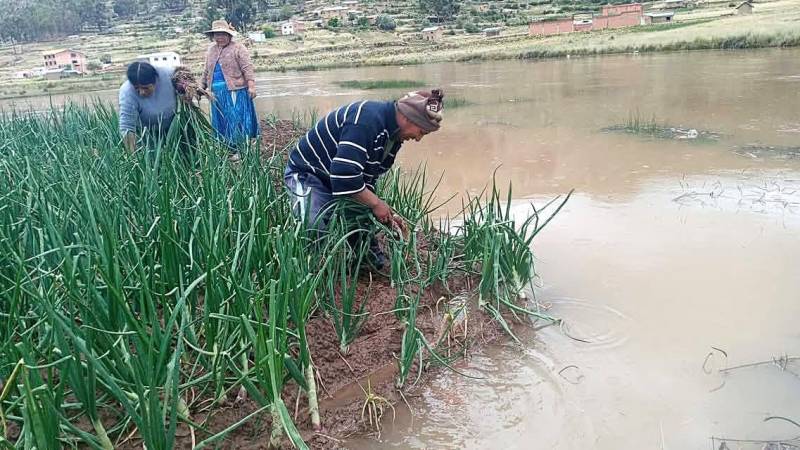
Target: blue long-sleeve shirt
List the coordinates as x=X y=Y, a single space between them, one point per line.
x=350 y=147
x=154 y=112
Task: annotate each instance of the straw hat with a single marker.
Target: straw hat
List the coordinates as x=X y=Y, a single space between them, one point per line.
x=221 y=26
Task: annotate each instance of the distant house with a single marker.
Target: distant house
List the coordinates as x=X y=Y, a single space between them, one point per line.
x=613 y=10
x=619 y=16
x=611 y=16
x=53 y=74
x=491 y=32
x=433 y=34
x=339 y=12
x=292 y=27
x=349 y=3
x=57 y=74
x=32 y=73
x=66 y=59
x=744 y=8
x=582 y=22
x=660 y=17
x=161 y=59
x=483 y=7
x=551 y=27
x=257 y=36
x=354 y=14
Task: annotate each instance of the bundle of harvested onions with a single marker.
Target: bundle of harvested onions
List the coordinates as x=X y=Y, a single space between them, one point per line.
x=187 y=86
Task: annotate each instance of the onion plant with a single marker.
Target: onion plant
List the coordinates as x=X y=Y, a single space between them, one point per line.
x=120 y=273
x=339 y=293
x=137 y=291
x=500 y=248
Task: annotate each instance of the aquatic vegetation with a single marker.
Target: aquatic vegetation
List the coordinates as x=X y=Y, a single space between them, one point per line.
x=456 y=102
x=380 y=84
x=756 y=151
x=637 y=124
x=139 y=291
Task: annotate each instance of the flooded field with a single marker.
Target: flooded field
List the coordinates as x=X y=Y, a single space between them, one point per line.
x=673 y=263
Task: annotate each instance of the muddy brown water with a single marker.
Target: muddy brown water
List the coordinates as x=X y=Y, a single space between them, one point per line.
x=667 y=249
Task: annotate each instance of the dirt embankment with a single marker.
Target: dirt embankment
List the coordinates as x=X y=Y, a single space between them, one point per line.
x=361 y=383
x=366 y=375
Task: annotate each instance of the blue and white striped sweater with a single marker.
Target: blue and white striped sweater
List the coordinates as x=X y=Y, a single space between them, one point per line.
x=347 y=149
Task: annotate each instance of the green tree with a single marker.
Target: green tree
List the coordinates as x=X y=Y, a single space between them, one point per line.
x=126 y=8
x=444 y=9
x=29 y=20
x=471 y=28
x=362 y=23
x=210 y=14
x=286 y=12
x=269 y=32
x=93 y=13
x=239 y=13
x=280 y=14
x=174 y=5
x=385 y=23
x=333 y=22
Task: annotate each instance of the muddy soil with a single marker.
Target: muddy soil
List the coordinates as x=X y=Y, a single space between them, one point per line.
x=370 y=365
x=344 y=380
x=277 y=136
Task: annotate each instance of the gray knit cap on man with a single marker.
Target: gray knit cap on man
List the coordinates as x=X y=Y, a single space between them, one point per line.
x=346 y=152
x=423 y=109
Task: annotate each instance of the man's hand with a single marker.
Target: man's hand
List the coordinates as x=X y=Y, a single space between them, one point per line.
x=399 y=225
x=399 y=222
x=380 y=209
x=382 y=212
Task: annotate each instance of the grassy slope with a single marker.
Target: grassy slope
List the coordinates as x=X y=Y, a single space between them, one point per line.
x=773 y=24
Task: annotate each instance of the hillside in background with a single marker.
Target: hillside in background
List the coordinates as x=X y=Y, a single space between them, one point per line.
x=335 y=33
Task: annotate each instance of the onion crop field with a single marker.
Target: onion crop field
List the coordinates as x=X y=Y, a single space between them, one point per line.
x=141 y=293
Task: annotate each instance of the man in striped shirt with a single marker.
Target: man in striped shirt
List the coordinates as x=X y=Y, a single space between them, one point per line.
x=349 y=148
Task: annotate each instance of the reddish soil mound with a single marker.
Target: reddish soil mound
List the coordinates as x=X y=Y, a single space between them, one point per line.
x=371 y=363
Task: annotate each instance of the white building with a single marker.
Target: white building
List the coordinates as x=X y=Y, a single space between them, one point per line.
x=162 y=59
x=257 y=36
x=32 y=73
x=292 y=27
